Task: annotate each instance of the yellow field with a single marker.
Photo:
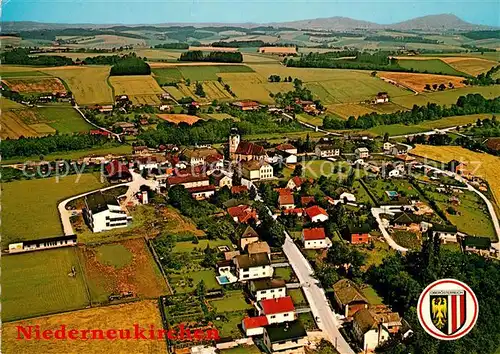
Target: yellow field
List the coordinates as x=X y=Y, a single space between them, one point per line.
x=8 y=104
x=107 y=41
x=14 y=127
x=16 y=68
x=213 y=90
x=417 y=82
x=141 y=89
x=472 y=66
x=35 y=85
x=88 y=84
x=488 y=166
x=123 y=316
x=174 y=92
x=158 y=54
x=349 y=109
x=179 y=118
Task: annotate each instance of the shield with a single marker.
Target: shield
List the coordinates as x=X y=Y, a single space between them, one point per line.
x=448 y=312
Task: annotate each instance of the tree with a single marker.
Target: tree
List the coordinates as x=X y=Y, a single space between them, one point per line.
x=373 y=74
x=427 y=87
x=435 y=86
x=199 y=91
x=209 y=258
x=386 y=137
x=253 y=193
x=298 y=170
x=188 y=82
x=192 y=110
x=201 y=289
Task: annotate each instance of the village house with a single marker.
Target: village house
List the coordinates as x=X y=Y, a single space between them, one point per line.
x=118 y=172
x=458 y=167
x=387 y=146
x=391 y=171
x=242 y=213
x=316 y=214
x=147 y=163
x=100 y=132
x=254 y=266
x=43 y=244
x=141 y=150
x=296 y=211
x=222 y=181
x=259 y=247
x=479 y=245
x=382 y=97
x=295 y=183
x=357 y=233
x=493 y=144
x=281 y=157
x=164 y=107
x=398 y=149
x=406 y=221
x=289 y=337
x=277 y=310
x=347 y=197
x=235 y=190
x=446 y=233
x=199 y=156
x=348 y=297
x=102 y=212
x=202 y=192
x=315 y=238
x=286 y=201
x=362 y=153
x=248 y=236
x=254 y=326
x=286 y=147
x=267 y=289
x=104 y=109
x=246 y=105
x=188 y=181
x=126 y=127
x=254 y=170
x=307 y=200
x=324 y=150
x=370 y=330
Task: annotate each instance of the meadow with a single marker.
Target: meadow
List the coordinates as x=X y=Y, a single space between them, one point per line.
x=35 y=84
x=430 y=66
x=471 y=66
x=141 y=89
x=33 y=204
x=121 y=316
x=38 y=283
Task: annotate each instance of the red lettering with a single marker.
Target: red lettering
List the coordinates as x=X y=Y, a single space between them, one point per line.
x=139 y=332
x=84 y=333
x=152 y=332
x=199 y=334
x=26 y=331
x=171 y=334
x=97 y=334
x=212 y=334
x=60 y=333
x=73 y=334
x=182 y=332
x=111 y=334
x=122 y=333
x=47 y=334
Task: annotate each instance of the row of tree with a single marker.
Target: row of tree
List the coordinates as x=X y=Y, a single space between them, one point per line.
x=218 y=57
x=172 y=46
x=20 y=56
x=402 y=39
x=485 y=79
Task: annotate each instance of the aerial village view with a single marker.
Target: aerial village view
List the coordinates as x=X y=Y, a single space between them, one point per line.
x=250 y=177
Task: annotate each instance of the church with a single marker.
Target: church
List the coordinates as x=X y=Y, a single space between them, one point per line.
x=244 y=150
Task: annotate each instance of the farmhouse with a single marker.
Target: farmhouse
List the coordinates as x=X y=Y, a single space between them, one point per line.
x=141 y=150
x=479 y=245
x=315 y=238
x=398 y=149
x=458 y=167
x=253 y=266
x=446 y=233
x=370 y=330
x=268 y=289
x=188 y=181
x=357 y=234
x=43 y=244
x=254 y=326
x=258 y=247
x=280 y=157
x=255 y=171
x=199 y=156
x=246 y=105
x=362 y=153
x=102 y=212
x=382 y=97
x=316 y=214
x=387 y=146
x=118 y=172
x=295 y=183
x=222 y=181
x=348 y=297
x=290 y=337
x=147 y=163
x=324 y=150
x=286 y=201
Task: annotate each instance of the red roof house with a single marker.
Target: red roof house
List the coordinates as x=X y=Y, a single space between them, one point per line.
x=286 y=201
x=239 y=189
x=253 y=326
x=247 y=148
x=317 y=233
x=275 y=306
x=100 y=132
x=242 y=213
x=117 y=171
x=305 y=201
x=316 y=214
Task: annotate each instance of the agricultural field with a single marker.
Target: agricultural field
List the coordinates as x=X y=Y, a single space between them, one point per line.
x=107 y=41
x=141 y=89
x=14 y=126
x=345 y=110
x=119 y=267
x=6 y=104
x=110 y=317
x=471 y=66
x=221 y=116
x=33 y=204
x=489 y=165
x=88 y=84
x=38 y=283
x=430 y=66
x=200 y=72
x=35 y=84
x=417 y=82
x=213 y=91
x=179 y=118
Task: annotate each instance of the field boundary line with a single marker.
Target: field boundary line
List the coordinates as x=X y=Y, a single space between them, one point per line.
x=85 y=281
x=157 y=261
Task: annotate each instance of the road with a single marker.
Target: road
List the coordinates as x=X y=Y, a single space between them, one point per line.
x=134 y=186
x=431 y=132
x=320 y=306
x=311 y=126
x=95 y=125
x=390 y=241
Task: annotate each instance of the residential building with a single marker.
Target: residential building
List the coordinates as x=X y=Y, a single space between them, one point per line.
x=118 y=172
x=239 y=189
x=398 y=149
x=242 y=213
x=323 y=150
x=246 y=105
x=102 y=212
x=281 y=157
x=277 y=310
x=188 y=181
x=297 y=211
x=387 y=146
x=348 y=297
x=259 y=247
x=362 y=153
x=267 y=289
x=315 y=238
x=147 y=163
x=382 y=97
x=42 y=244
x=357 y=233
x=316 y=214
x=248 y=236
x=493 y=144
x=286 y=201
x=479 y=245
x=198 y=156
x=254 y=326
x=222 y=181
x=141 y=150
x=254 y=170
x=202 y=192
x=285 y=338
x=368 y=331
x=346 y=197
x=446 y=233
x=287 y=148
x=307 y=200
x=253 y=266
x=295 y=183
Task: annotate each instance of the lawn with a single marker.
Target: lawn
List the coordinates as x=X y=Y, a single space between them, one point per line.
x=297 y=296
x=253 y=349
x=361 y=194
x=187 y=282
x=308 y=321
x=32 y=204
x=436 y=66
x=6 y=104
x=371 y=295
x=189 y=246
x=229 y=325
x=378 y=187
x=285 y=273
x=38 y=283
x=114 y=255
x=406 y=239
x=110 y=317
x=231 y=302
x=377 y=255
x=471 y=66
x=88 y=84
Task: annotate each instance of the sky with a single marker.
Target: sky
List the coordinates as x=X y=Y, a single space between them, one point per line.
x=484 y=12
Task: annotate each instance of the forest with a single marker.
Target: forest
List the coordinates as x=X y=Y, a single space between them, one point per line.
x=20 y=56
x=130 y=66
x=218 y=57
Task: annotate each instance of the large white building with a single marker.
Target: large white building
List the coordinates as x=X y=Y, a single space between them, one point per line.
x=254 y=266
x=102 y=212
x=256 y=170
x=268 y=289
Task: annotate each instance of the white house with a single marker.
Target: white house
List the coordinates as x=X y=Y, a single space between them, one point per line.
x=286 y=201
x=254 y=266
x=255 y=170
x=277 y=310
x=316 y=214
x=446 y=233
x=289 y=337
x=372 y=329
x=349 y=197
x=315 y=238
x=324 y=150
x=382 y=97
x=254 y=326
x=387 y=146
x=147 y=163
x=198 y=156
x=203 y=192
x=164 y=107
x=295 y=183
x=279 y=156
x=393 y=172
x=188 y=181
x=102 y=212
x=43 y=244
x=362 y=153
x=287 y=148
x=222 y=181
x=268 y=289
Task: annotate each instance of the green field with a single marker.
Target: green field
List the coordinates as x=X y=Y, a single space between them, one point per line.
x=188 y=246
x=180 y=282
x=65 y=119
x=242 y=350
x=285 y=273
x=232 y=301
x=30 y=207
x=115 y=255
x=371 y=295
x=297 y=296
x=38 y=283
x=6 y=75
x=406 y=239
x=430 y=66
x=203 y=72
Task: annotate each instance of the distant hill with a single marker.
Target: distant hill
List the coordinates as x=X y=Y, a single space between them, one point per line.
x=330 y=23
x=436 y=22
